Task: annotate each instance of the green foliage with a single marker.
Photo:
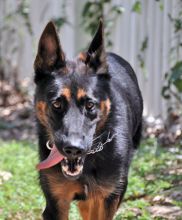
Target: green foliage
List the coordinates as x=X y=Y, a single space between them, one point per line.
x=149 y=160
x=177 y=22
x=142 y=54
x=176 y=76
x=20 y=194
x=127 y=210
x=147 y=178
x=60 y=21
x=9 y=31
x=173 y=79
x=63 y=19
x=22 y=10
x=137 y=7
x=93 y=11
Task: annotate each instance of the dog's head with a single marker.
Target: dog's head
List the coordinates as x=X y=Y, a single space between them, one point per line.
x=72 y=97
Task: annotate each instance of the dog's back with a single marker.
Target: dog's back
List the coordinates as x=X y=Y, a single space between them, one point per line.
x=126 y=90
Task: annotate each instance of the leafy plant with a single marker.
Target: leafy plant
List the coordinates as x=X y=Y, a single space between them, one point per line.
x=22 y=10
x=11 y=36
x=95 y=10
x=63 y=19
x=173 y=78
x=142 y=54
x=137 y=7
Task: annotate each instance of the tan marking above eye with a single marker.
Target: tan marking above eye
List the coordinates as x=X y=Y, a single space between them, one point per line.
x=81 y=93
x=66 y=92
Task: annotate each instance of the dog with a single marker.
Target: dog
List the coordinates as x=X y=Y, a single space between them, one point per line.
x=89 y=121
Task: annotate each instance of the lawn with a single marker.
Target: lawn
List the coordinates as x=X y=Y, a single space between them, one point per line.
x=154 y=173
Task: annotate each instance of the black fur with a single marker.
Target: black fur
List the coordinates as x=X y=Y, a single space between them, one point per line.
x=111 y=78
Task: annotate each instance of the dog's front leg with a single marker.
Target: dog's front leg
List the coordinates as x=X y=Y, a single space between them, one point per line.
x=57 y=211
x=98 y=208
x=59 y=193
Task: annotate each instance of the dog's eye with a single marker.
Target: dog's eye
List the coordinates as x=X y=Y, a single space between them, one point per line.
x=56 y=104
x=89 y=105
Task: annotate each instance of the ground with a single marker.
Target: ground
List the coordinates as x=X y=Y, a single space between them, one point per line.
x=154 y=191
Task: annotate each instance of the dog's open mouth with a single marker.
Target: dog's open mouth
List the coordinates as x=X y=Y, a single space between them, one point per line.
x=71 y=168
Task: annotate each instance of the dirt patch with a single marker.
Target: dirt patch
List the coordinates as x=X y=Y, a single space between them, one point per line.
x=166 y=212
x=17 y=122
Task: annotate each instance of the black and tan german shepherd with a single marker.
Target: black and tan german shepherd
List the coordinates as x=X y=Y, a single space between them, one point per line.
x=89 y=116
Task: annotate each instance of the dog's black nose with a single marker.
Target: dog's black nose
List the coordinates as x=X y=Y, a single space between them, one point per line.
x=72 y=151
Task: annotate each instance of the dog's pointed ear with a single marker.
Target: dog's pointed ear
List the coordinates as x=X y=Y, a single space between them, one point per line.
x=96 y=55
x=50 y=55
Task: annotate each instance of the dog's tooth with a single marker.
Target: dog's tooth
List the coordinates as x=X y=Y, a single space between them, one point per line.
x=75 y=172
x=72 y=174
x=66 y=160
x=79 y=159
x=65 y=168
x=79 y=168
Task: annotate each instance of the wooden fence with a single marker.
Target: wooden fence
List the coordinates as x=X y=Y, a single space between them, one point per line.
x=152 y=25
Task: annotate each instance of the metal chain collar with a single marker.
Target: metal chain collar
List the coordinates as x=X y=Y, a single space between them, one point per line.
x=101 y=145
x=97 y=149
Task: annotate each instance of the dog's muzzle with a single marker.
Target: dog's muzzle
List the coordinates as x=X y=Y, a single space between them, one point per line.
x=71 y=168
x=73 y=160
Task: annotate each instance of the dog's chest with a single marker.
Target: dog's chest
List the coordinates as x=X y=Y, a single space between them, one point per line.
x=62 y=188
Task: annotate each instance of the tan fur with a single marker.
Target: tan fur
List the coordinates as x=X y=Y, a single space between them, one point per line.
x=81 y=93
x=41 y=112
x=95 y=208
x=66 y=92
x=82 y=56
x=92 y=208
x=63 y=191
x=105 y=107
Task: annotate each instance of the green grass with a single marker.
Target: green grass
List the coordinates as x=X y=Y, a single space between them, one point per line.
x=21 y=198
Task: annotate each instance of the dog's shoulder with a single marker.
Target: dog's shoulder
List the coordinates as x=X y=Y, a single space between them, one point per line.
x=121 y=69
x=124 y=82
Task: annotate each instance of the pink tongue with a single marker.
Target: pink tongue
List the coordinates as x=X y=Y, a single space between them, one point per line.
x=53 y=158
